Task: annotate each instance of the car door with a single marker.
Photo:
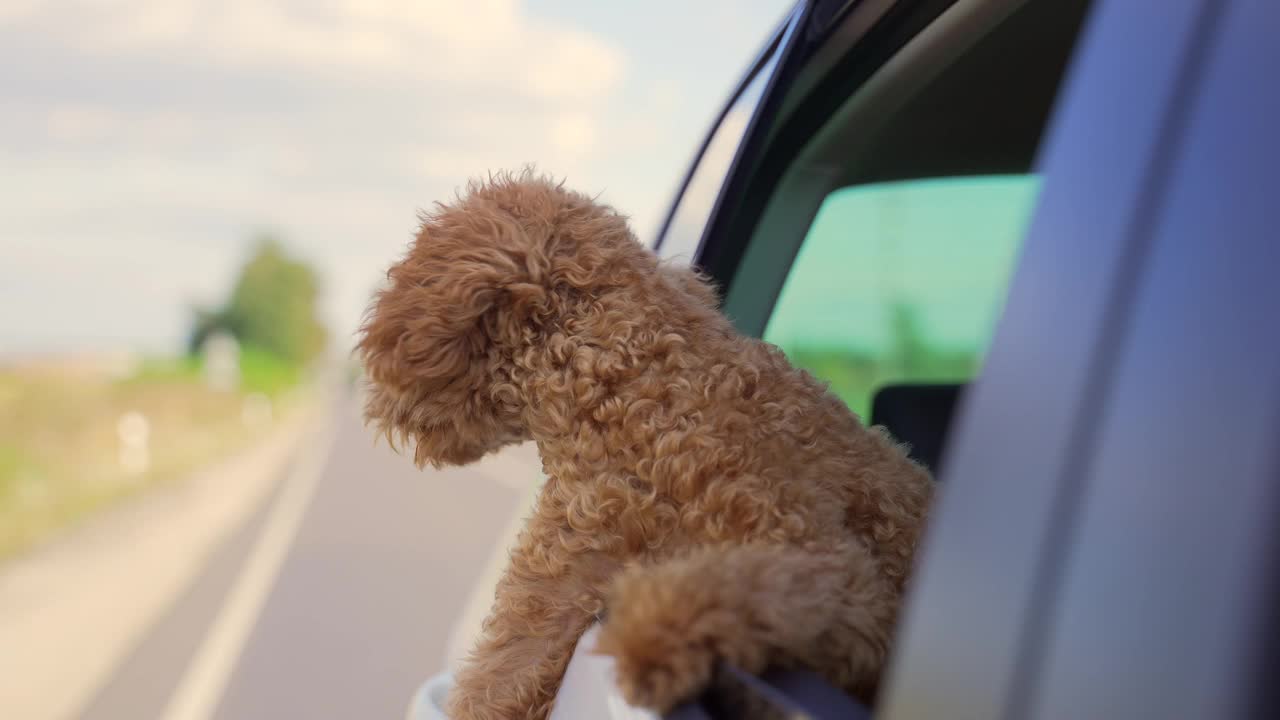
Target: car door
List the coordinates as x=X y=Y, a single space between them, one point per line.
x=1104 y=540
x=1107 y=545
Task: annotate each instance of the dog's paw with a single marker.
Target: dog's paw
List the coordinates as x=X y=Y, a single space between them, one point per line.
x=656 y=666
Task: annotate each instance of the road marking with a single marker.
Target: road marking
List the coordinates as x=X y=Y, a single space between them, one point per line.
x=205 y=680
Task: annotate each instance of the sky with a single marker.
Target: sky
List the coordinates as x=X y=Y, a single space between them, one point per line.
x=145 y=143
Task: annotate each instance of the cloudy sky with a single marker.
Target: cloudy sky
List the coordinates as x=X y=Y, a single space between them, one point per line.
x=143 y=143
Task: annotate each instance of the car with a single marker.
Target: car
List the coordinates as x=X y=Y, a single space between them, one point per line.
x=1035 y=239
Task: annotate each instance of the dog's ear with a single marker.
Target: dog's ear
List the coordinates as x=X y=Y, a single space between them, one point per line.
x=486 y=275
x=439 y=312
x=431 y=339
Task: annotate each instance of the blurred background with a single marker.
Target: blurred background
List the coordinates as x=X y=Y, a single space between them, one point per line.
x=196 y=200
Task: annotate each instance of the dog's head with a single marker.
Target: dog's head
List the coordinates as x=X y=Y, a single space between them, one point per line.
x=445 y=344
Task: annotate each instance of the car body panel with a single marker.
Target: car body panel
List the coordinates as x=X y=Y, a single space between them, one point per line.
x=1103 y=545
x=976 y=586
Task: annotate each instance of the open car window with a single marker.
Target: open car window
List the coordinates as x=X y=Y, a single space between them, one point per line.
x=902 y=282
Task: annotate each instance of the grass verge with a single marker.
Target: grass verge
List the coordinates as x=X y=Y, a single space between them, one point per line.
x=62 y=451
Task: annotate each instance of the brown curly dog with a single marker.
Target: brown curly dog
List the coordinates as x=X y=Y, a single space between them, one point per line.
x=721 y=504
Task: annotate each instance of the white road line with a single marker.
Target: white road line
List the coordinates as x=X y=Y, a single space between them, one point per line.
x=202 y=685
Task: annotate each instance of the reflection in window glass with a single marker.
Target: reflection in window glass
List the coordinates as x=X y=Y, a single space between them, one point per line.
x=902 y=282
x=684 y=234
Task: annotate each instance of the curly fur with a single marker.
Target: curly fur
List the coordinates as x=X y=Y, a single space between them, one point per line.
x=721 y=504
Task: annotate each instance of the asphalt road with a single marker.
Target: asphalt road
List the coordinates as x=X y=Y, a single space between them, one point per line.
x=368 y=576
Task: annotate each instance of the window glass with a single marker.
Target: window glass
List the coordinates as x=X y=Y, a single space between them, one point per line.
x=683 y=234
x=902 y=282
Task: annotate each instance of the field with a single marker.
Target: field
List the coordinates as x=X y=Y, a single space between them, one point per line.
x=75 y=440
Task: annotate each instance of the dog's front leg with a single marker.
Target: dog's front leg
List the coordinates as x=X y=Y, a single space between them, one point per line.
x=543 y=605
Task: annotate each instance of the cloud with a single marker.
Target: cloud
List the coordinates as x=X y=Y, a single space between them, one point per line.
x=163 y=133
x=488 y=44
x=573 y=133
x=144 y=142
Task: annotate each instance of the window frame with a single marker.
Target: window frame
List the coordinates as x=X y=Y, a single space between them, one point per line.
x=764 y=68
x=811 y=83
x=873 y=64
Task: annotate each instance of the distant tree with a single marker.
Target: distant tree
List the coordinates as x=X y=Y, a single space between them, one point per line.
x=273 y=307
x=205 y=323
x=908 y=346
x=914 y=355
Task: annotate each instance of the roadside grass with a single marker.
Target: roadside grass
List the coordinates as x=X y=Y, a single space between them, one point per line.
x=61 y=449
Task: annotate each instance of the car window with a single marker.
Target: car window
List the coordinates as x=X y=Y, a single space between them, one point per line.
x=682 y=235
x=902 y=282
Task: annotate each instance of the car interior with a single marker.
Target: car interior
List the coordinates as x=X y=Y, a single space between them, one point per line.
x=970 y=93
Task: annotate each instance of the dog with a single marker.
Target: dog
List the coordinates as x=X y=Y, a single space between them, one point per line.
x=707 y=500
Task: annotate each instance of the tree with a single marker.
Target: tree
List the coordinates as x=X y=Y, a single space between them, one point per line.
x=915 y=356
x=273 y=307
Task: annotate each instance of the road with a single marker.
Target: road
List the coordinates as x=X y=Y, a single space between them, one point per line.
x=335 y=599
